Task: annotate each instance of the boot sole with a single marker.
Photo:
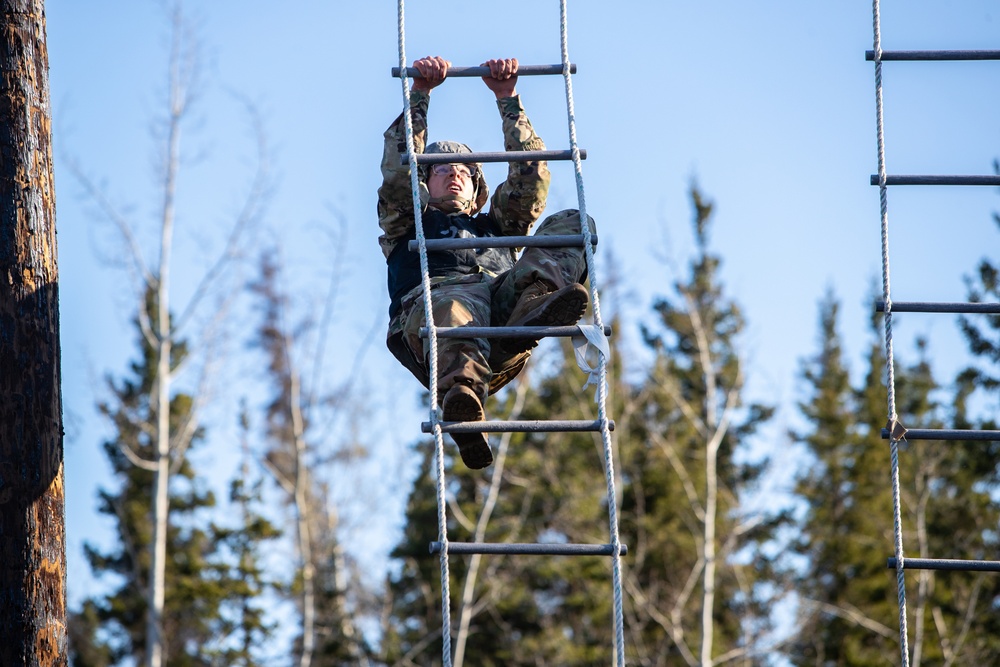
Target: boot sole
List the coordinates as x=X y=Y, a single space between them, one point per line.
x=474 y=448
x=562 y=310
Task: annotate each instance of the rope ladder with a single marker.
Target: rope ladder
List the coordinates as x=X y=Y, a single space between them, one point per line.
x=894 y=431
x=602 y=424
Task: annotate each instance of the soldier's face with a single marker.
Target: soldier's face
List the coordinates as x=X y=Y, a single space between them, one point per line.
x=450 y=180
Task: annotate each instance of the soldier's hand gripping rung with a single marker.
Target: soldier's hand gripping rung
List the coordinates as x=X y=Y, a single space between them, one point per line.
x=480 y=242
x=509 y=332
x=479 y=70
x=491 y=156
x=527 y=426
x=528 y=549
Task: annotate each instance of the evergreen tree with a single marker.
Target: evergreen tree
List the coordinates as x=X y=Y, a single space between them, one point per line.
x=412 y=629
x=244 y=633
x=982 y=333
x=110 y=629
x=847 y=595
x=947 y=512
x=86 y=648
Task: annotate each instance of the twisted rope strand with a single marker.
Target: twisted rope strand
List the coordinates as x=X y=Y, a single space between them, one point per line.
x=602 y=385
x=890 y=376
x=432 y=339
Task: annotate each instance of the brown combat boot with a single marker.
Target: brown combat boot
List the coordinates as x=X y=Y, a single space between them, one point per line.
x=563 y=307
x=461 y=404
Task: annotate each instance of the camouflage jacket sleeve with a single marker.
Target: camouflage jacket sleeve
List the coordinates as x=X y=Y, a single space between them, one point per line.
x=520 y=200
x=395 y=198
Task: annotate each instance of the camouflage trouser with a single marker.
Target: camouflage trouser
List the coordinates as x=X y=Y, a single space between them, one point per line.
x=483 y=300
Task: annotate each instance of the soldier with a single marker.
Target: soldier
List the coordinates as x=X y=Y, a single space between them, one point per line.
x=484 y=287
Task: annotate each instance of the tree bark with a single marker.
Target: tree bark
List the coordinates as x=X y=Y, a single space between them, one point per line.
x=32 y=508
x=156 y=597
x=304 y=511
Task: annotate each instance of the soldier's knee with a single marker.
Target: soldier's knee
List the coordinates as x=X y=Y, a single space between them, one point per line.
x=452 y=312
x=565 y=222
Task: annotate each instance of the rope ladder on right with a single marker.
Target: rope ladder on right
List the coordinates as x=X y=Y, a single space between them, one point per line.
x=894 y=431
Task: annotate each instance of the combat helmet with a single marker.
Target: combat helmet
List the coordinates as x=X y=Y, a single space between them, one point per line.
x=480 y=190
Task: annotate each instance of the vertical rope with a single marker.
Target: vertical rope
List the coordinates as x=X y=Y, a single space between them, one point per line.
x=432 y=339
x=890 y=375
x=602 y=384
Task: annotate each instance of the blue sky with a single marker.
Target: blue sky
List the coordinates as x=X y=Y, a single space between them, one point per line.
x=768 y=105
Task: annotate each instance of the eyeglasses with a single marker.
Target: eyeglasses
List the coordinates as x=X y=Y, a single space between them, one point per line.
x=446 y=169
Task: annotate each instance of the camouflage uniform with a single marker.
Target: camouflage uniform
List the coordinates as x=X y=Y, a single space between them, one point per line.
x=469 y=287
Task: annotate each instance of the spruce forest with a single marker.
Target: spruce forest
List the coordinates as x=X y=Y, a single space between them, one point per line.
x=815 y=548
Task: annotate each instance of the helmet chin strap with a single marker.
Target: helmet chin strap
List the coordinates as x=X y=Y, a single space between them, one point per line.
x=451 y=204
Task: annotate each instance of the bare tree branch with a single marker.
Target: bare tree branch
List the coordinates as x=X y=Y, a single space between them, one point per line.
x=951 y=651
x=690 y=413
x=135 y=459
x=851 y=613
x=460 y=516
x=328 y=303
x=247 y=215
x=111 y=212
x=689 y=585
x=673 y=628
x=732 y=540
x=286 y=484
x=681 y=472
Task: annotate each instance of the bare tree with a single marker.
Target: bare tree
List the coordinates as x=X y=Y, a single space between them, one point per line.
x=692 y=601
x=712 y=421
x=297 y=448
x=153 y=281
x=32 y=514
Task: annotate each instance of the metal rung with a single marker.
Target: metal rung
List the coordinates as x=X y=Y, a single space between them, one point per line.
x=946 y=564
x=529 y=549
x=529 y=426
x=509 y=332
x=937 y=180
x=938 y=307
x=543 y=241
x=977 y=54
x=946 y=434
x=479 y=70
x=496 y=156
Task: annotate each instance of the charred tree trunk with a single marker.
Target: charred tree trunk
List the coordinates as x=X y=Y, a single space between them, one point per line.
x=32 y=527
